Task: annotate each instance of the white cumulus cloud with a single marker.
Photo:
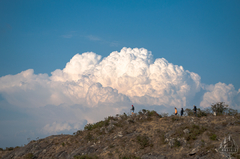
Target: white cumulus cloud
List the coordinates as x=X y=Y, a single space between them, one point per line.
x=56 y=127
x=90 y=88
x=221 y=92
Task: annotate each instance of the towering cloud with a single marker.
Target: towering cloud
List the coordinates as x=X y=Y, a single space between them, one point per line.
x=221 y=92
x=90 y=88
x=133 y=73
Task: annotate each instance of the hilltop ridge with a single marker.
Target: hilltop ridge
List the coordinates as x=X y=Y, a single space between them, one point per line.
x=145 y=135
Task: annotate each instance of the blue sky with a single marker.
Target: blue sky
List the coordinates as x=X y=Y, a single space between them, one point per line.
x=201 y=36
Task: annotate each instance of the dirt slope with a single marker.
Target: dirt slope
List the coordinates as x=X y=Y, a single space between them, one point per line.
x=146 y=135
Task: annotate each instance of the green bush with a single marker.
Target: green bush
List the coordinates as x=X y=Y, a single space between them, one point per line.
x=9 y=148
x=98 y=124
x=195 y=131
x=201 y=113
x=129 y=157
x=175 y=118
x=176 y=143
x=140 y=113
x=86 y=157
x=213 y=137
x=154 y=113
x=143 y=140
x=164 y=114
x=144 y=111
x=220 y=108
x=189 y=112
x=89 y=136
x=29 y=156
x=232 y=112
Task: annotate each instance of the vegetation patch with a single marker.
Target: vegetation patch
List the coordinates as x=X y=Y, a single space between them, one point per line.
x=89 y=137
x=86 y=157
x=129 y=157
x=195 y=131
x=143 y=141
x=176 y=143
x=28 y=156
x=213 y=137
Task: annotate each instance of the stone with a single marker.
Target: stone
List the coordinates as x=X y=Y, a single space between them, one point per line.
x=168 y=134
x=102 y=129
x=111 y=122
x=105 y=148
x=153 y=156
x=178 y=124
x=186 y=131
x=214 y=113
x=62 y=154
x=182 y=141
x=194 y=151
x=129 y=121
x=171 y=142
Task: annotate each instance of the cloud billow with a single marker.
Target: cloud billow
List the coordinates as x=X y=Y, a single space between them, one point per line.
x=134 y=74
x=90 y=88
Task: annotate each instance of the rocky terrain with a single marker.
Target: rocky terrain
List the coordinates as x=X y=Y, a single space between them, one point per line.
x=145 y=135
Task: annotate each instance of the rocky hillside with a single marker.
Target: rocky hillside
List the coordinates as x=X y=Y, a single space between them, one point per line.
x=146 y=135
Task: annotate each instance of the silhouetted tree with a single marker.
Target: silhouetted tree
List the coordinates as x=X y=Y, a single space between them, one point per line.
x=220 y=108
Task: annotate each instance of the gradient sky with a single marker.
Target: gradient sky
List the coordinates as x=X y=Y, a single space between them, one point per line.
x=201 y=36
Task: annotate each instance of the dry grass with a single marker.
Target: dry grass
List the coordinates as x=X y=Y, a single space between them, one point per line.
x=145 y=134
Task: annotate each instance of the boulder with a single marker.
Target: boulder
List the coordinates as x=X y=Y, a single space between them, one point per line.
x=186 y=131
x=194 y=151
x=153 y=156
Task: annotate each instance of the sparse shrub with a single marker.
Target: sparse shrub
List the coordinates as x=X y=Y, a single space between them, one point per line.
x=210 y=148
x=99 y=124
x=111 y=146
x=110 y=154
x=119 y=124
x=63 y=144
x=237 y=122
x=143 y=140
x=28 y=156
x=224 y=123
x=129 y=157
x=116 y=150
x=195 y=130
x=189 y=112
x=174 y=118
x=89 y=136
x=153 y=113
x=144 y=111
x=88 y=127
x=162 y=138
x=176 y=143
x=219 y=108
x=232 y=112
x=164 y=114
x=86 y=157
x=1 y=149
x=202 y=143
x=201 y=113
x=79 y=132
x=213 y=137
x=124 y=115
x=9 y=148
